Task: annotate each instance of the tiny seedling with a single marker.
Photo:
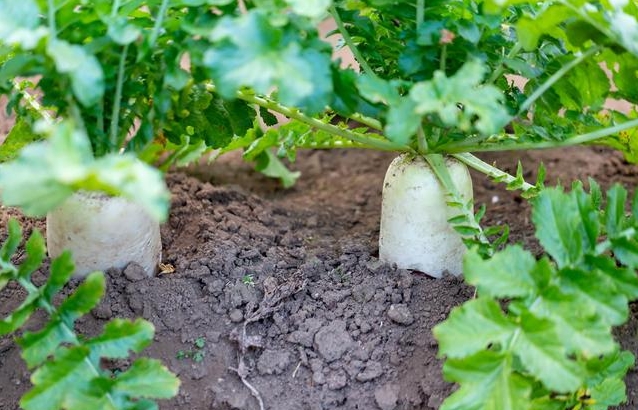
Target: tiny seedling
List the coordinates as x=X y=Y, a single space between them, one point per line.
x=200 y=342
x=248 y=280
x=343 y=277
x=196 y=354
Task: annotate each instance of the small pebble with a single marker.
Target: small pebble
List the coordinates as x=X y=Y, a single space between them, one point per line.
x=372 y=371
x=134 y=272
x=236 y=316
x=400 y=314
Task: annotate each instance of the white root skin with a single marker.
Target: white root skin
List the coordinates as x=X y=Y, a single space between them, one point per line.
x=414 y=230
x=104 y=232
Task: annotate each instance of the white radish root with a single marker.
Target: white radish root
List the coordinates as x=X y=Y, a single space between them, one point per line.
x=415 y=232
x=104 y=232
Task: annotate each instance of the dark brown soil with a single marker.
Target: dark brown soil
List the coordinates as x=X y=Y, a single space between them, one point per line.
x=300 y=267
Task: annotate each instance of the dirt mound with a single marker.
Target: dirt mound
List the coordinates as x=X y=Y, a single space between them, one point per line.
x=279 y=293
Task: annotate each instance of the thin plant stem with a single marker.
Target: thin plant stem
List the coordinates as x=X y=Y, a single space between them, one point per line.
x=158 y=22
x=115 y=114
x=367 y=121
x=115 y=8
x=554 y=78
x=100 y=116
x=380 y=144
x=420 y=12
x=443 y=60
x=348 y=40
x=75 y=112
x=487 y=169
x=51 y=18
x=589 y=137
x=421 y=140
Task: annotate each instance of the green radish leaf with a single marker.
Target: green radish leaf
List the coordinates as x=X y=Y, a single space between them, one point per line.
x=20 y=136
x=38 y=346
x=241 y=116
x=624 y=76
x=14 y=237
x=531 y=29
x=626 y=250
x=87 y=78
x=19 y=23
x=62 y=269
x=268 y=118
x=625 y=26
x=612 y=366
x=461 y=101
x=23 y=14
x=200 y=115
x=36 y=252
x=578 y=326
x=48 y=172
x=623 y=279
x=57 y=378
x=85 y=297
x=561 y=342
x=587 y=208
x=314 y=9
x=345 y=99
x=20 y=315
x=68 y=373
x=487 y=382
x=144 y=405
x=547 y=403
x=258 y=146
x=557 y=217
x=610 y=392
x=121 y=336
x=270 y=165
x=479 y=323
x=506 y=274
x=122 y=32
x=378 y=90
x=125 y=175
x=36 y=180
x=494 y=6
x=186 y=153
x=542 y=353
x=595 y=289
x=403 y=121
x=147 y=378
x=586 y=85
x=595 y=193
x=251 y=53
x=98 y=394
x=5 y=278
x=615 y=210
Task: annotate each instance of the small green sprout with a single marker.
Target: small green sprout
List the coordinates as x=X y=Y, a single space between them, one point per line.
x=248 y=280
x=197 y=354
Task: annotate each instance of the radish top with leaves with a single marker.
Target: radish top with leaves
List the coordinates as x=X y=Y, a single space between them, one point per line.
x=179 y=77
x=435 y=76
